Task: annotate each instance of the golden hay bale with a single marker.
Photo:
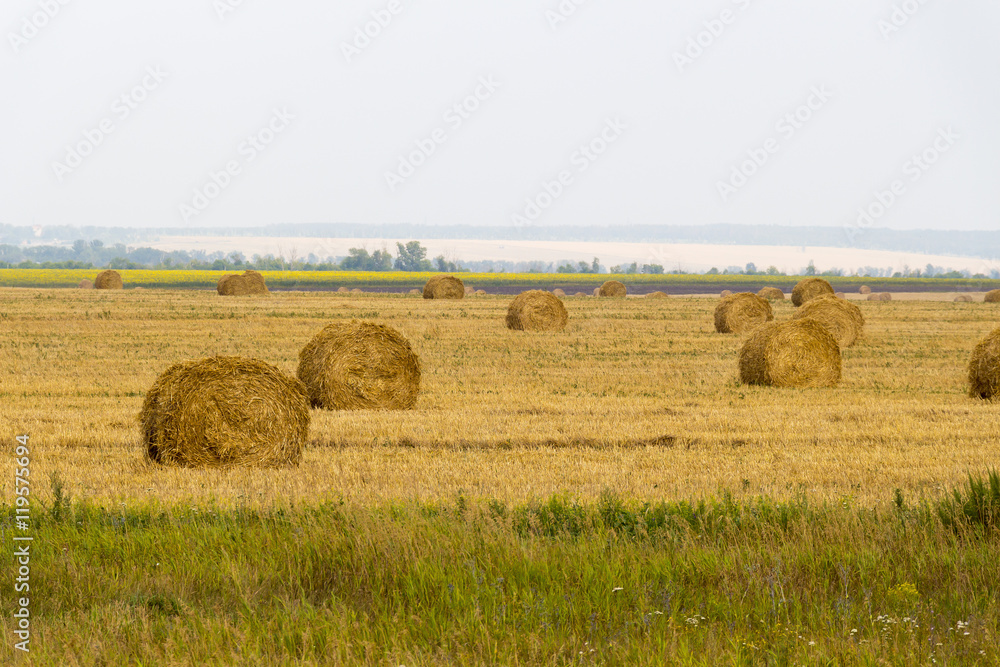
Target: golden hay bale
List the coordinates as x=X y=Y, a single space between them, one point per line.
x=234 y=284
x=480 y=292
x=797 y=353
x=724 y=293
x=360 y=366
x=536 y=310
x=993 y=296
x=559 y=293
x=444 y=287
x=415 y=291
x=883 y=296
x=739 y=313
x=771 y=293
x=810 y=288
x=356 y=291
x=343 y=290
x=657 y=295
x=225 y=411
x=597 y=291
x=963 y=298
x=86 y=284
x=613 y=288
x=108 y=279
x=580 y=294
x=469 y=291
x=840 y=295
x=865 y=289
x=840 y=317
x=984 y=367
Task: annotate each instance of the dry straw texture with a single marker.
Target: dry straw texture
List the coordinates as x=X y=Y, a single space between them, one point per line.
x=108 y=280
x=581 y=293
x=234 y=284
x=984 y=367
x=597 y=291
x=343 y=290
x=963 y=298
x=480 y=292
x=86 y=284
x=726 y=292
x=797 y=353
x=469 y=291
x=771 y=294
x=865 y=289
x=415 y=291
x=536 y=310
x=657 y=295
x=356 y=290
x=993 y=296
x=360 y=366
x=810 y=288
x=225 y=411
x=444 y=287
x=613 y=288
x=881 y=296
x=559 y=292
x=840 y=317
x=739 y=313
x=840 y=295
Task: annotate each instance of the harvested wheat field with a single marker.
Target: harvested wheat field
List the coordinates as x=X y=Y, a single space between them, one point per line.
x=637 y=395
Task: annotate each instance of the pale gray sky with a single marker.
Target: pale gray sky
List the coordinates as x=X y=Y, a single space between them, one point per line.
x=333 y=115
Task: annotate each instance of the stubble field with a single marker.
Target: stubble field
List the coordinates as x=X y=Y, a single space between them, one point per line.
x=610 y=494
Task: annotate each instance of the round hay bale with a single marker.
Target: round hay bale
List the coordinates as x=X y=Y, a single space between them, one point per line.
x=580 y=294
x=360 y=366
x=771 y=294
x=415 y=291
x=797 y=353
x=343 y=290
x=984 y=367
x=724 y=293
x=356 y=291
x=234 y=284
x=993 y=296
x=739 y=313
x=109 y=279
x=469 y=291
x=864 y=289
x=536 y=310
x=559 y=293
x=480 y=292
x=657 y=295
x=86 y=284
x=255 y=282
x=883 y=296
x=840 y=317
x=225 y=411
x=840 y=295
x=444 y=287
x=613 y=288
x=963 y=298
x=597 y=291
x=810 y=288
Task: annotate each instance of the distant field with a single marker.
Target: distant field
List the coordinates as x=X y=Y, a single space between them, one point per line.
x=505 y=283
x=610 y=494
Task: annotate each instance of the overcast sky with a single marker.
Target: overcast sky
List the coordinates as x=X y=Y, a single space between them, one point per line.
x=194 y=113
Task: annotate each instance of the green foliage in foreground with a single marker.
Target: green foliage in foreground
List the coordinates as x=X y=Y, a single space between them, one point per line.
x=477 y=582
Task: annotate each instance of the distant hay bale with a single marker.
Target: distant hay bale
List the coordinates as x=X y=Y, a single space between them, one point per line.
x=797 y=353
x=810 y=288
x=724 y=293
x=840 y=295
x=225 y=411
x=234 y=284
x=580 y=294
x=356 y=291
x=882 y=296
x=343 y=290
x=109 y=279
x=963 y=298
x=657 y=295
x=536 y=310
x=612 y=288
x=984 y=367
x=993 y=296
x=739 y=313
x=480 y=292
x=597 y=291
x=86 y=284
x=469 y=291
x=771 y=293
x=840 y=317
x=444 y=287
x=865 y=289
x=360 y=366
x=559 y=293
x=415 y=291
